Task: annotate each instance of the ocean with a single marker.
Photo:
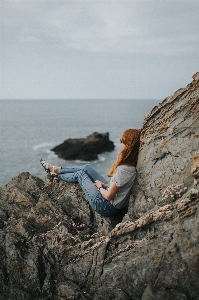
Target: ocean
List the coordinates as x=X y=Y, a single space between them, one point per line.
x=29 y=129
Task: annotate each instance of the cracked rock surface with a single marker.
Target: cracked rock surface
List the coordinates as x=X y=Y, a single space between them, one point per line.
x=169 y=139
x=54 y=246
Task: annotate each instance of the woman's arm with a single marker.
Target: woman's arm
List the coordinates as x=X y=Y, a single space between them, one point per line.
x=112 y=191
x=105 y=185
x=98 y=184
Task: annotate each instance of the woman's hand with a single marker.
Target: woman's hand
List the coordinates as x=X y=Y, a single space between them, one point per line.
x=98 y=184
x=107 y=194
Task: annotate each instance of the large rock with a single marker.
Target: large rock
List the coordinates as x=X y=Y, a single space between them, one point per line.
x=169 y=139
x=39 y=223
x=85 y=148
x=54 y=246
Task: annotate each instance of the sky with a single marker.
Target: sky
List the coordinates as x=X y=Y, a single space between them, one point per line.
x=97 y=49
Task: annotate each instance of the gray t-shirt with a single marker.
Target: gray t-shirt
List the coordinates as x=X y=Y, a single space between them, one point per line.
x=123 y=178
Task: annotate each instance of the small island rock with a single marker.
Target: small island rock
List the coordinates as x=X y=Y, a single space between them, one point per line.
x=84 y=148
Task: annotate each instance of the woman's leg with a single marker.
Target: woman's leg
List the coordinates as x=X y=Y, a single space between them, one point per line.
x=93 y=174
x=94 y=197
x=79 y=175
x=86 y=175
x=67 y=173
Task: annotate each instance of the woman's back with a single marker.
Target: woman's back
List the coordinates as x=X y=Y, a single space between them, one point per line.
x=124 y=179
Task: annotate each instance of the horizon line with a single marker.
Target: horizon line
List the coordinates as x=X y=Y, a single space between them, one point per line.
x=80 y=99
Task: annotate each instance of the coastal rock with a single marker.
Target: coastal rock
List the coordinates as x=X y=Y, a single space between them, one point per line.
x=85 y=148
x=195 y=169
x=169 y=139
x=54 y=246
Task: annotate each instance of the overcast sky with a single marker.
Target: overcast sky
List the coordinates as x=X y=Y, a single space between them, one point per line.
x=126 y=49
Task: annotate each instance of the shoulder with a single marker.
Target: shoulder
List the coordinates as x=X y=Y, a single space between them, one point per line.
x=126 y=169
x=124 y=174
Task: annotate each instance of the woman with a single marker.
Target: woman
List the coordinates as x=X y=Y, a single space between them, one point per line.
x=105 y=198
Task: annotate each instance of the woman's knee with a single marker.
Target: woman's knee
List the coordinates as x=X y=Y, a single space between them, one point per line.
x=87 y=168
x=79 y=175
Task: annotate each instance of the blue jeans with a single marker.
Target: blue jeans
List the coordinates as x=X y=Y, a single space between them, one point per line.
x=85 y=176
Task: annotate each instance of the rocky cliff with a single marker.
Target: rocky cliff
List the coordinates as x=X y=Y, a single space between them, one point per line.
x=170 y=137
x=54 y=246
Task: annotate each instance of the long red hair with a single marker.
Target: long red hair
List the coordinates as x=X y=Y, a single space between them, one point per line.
x=129 y=153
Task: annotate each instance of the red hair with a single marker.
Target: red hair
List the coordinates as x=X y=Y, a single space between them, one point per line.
x=129 y=154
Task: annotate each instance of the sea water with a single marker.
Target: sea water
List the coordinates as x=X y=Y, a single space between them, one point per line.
x=29 y=129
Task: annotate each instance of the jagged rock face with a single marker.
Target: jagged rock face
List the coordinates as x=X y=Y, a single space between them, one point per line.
x=85 y=148
x=195 y=169
x=169 y=139
x=39 y=221
x=53 y=246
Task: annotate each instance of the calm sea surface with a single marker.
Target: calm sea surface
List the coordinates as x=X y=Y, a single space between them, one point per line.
x=30 y=128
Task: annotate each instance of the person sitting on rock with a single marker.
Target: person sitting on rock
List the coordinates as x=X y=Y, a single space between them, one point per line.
x=106 y=198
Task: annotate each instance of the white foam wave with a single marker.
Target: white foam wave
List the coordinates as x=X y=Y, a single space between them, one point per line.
x=101 y=158
x=42 y=145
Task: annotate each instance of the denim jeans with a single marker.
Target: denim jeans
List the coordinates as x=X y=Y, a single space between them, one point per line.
x=85 y=176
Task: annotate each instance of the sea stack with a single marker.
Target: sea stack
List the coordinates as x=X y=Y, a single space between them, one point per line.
x=85 y=149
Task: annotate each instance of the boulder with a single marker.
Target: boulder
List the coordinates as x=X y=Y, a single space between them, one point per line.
x=85 y=149
x=54 y=246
